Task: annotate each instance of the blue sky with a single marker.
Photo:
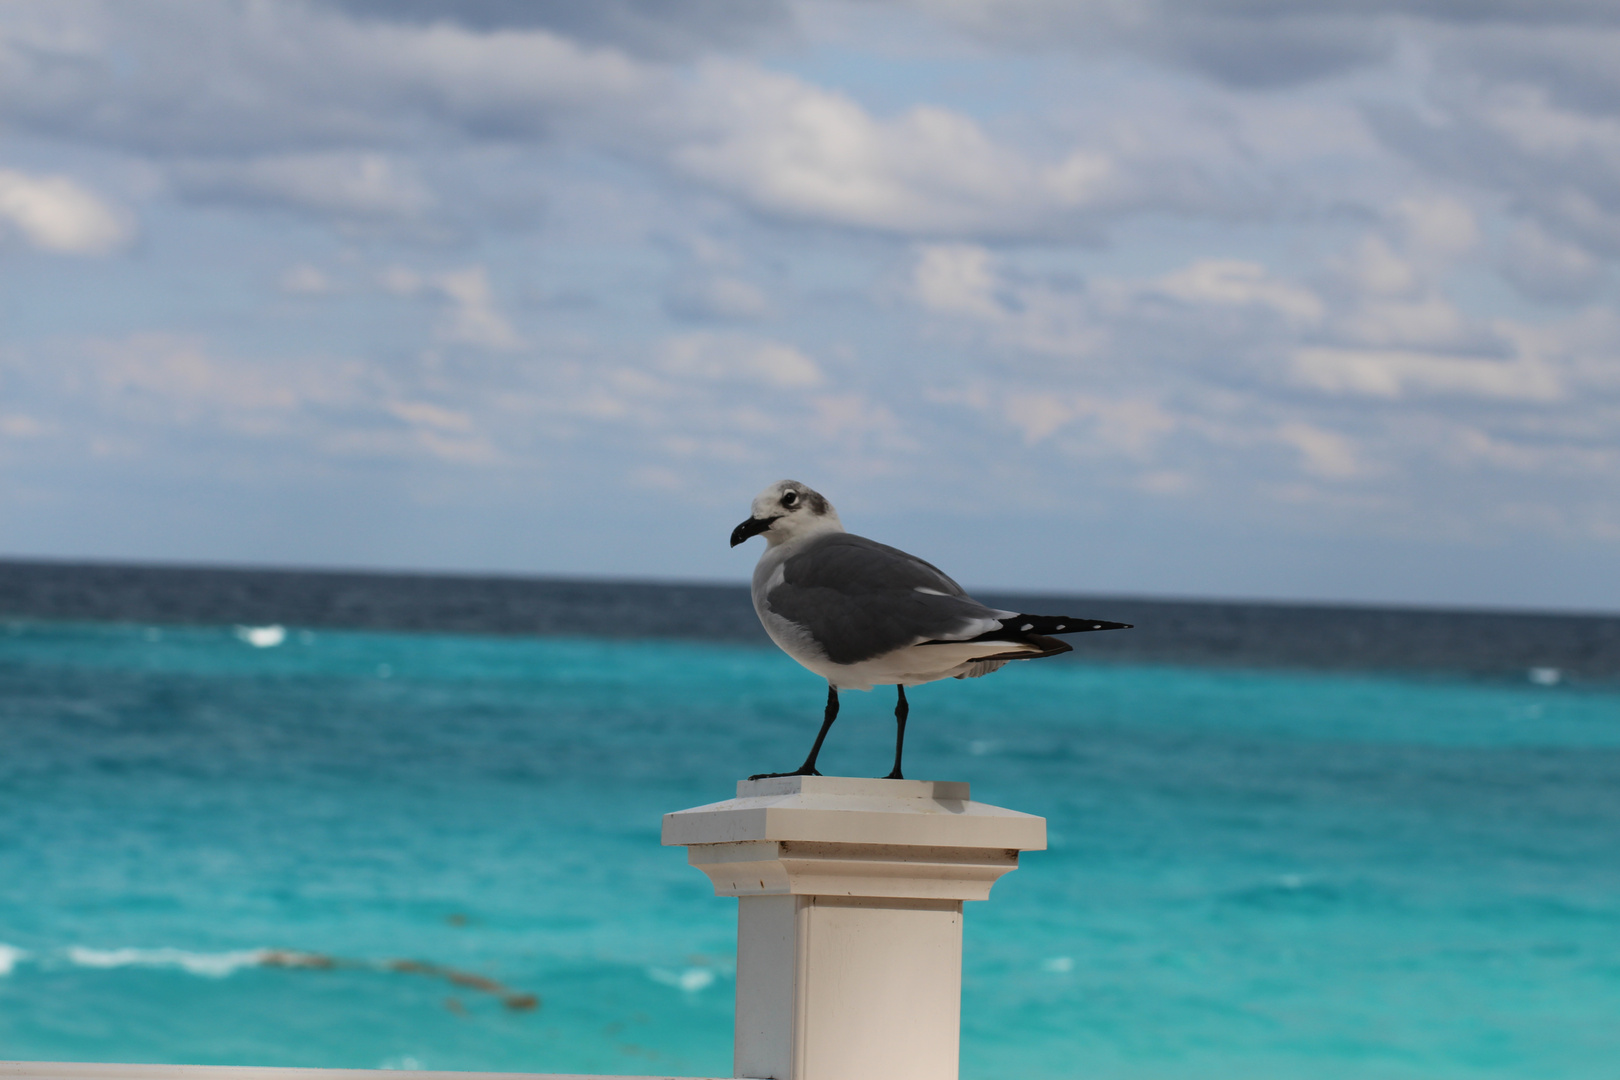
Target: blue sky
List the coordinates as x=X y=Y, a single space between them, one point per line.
x=1190 y=297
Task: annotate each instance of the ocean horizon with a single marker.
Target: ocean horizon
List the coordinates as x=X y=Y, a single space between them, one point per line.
x=411 y=821
x=1250 y=633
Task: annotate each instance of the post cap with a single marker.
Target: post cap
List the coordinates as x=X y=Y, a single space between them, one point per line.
x=853 y=810
x=956 y=790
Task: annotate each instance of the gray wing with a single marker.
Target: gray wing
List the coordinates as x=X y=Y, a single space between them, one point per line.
x=860 y=599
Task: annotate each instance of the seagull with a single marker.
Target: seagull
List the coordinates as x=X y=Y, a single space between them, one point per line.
x=862 y=614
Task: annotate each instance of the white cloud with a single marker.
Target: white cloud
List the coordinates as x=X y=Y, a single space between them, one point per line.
x=1050 y=281
x=58 y=214
x=1326 y=453
x=473 y=318
x=728 y=358
x=957 y=279
x=1265 y=45
x=1409 y=253
x=1397 y=373
x=1543 y=267
x=309 y=110
x=166 y=397
x=968 y=283
x=720 y=297
x=790 y=148
x=286 y=79
x=1194 y=376
x=864 y=430
x=471 y=315
x=22 y=426
x=797 y=149
x=1080 y=320
x=427 y=414
x=1375 y=267
x=657 y=29
x=313 y=111
x=401 y=281
x=444 y=433
x=1430 y=320
x=1118 y=425
x=1241 y=283
x=343 y=184
x=181 y=378
x=1557 y=166
x=306 y=280
x=1438 y=230
x=1393 y=281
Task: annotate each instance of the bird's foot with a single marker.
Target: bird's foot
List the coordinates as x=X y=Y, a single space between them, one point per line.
x=801 y=771
x=895 y=775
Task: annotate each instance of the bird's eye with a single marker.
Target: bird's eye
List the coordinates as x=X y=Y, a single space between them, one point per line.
x=790 y=498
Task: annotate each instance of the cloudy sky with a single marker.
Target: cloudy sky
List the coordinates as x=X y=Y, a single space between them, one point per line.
x=1301 y=299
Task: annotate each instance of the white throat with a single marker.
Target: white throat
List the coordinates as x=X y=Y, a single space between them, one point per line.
x=792 y=528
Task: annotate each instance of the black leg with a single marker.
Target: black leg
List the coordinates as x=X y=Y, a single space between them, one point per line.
x=901 y=711
x=809 y=766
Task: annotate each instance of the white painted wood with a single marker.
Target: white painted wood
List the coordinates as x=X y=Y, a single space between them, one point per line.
x=767 y=945
x=839 y=809
x=805 y=867
x=82 y=1070
x=849 y=921
x=881 y=987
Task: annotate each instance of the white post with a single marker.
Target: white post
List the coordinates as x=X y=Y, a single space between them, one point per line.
x=849 y=918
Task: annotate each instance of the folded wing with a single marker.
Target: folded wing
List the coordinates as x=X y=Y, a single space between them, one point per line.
x=861 y=599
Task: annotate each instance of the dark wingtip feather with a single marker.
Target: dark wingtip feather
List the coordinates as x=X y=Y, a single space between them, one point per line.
x=1062 y=624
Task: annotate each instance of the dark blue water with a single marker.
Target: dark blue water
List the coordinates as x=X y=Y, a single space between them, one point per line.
x=1252 y=874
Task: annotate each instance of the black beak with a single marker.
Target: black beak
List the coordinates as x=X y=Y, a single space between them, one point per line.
x=752 y=527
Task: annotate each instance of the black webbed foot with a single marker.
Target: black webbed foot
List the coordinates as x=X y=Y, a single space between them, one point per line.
x=801 y=771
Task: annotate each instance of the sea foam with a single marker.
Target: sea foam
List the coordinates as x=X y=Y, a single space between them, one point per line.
x=689 y=980
x=262 y=637
x=213 y=965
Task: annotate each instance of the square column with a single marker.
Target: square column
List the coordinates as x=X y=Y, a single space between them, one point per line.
x=849 y=921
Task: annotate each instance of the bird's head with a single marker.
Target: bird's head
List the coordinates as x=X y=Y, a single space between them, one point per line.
x=786 y=511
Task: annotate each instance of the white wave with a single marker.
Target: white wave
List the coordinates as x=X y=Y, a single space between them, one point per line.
x=9 y=955
x=262 y=637
x=212 y=965
x=690 y=980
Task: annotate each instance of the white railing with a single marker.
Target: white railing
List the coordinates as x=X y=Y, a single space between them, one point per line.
x=849 y=930
x=89 y=1070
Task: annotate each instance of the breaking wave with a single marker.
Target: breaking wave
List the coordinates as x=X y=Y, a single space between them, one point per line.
x=689 y=980
x=212 y=965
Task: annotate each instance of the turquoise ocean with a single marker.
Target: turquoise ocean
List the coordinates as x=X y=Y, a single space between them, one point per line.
x=374 y=849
